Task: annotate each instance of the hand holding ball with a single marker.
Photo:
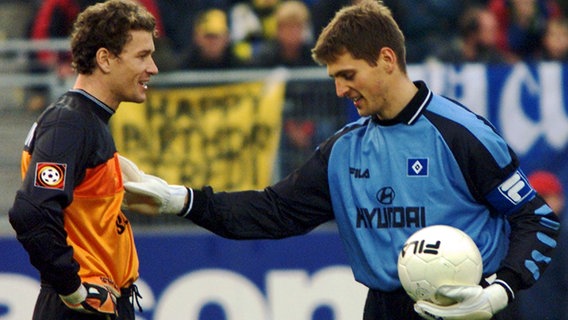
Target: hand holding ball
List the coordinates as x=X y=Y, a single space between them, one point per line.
x=438 y=255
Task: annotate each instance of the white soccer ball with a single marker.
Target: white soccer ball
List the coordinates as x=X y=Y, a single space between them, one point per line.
x=435 y=256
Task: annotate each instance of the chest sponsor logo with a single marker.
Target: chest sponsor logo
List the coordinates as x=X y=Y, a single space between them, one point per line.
x=388 y=216
x=417 y=167
x=391 y=217
x=50 y=175
x=386 y=195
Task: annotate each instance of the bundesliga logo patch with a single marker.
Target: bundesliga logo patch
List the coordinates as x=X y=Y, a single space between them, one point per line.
x=50 y=175
x=417 y=167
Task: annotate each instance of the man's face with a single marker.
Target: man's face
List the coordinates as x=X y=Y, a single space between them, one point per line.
x=212 y=45
x=290 y=34
x=556 y=41
x=364 y=84
x=487 y=29
x=132 y=69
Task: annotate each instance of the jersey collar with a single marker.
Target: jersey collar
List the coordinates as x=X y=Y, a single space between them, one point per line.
x=101 y=109
x=410 y=114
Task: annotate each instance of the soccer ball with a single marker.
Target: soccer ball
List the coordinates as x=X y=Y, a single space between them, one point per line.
x=435 y=256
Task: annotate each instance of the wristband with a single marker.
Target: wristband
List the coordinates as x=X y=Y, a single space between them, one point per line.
x=510 y=293
x=187 y=208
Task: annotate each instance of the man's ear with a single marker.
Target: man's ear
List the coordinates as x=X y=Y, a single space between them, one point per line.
x=103 y=58
x=388 y=59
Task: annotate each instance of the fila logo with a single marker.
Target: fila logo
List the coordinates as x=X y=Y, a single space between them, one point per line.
x=421 y=247
x=417 y=167
x=359 y=173
x=516 y=188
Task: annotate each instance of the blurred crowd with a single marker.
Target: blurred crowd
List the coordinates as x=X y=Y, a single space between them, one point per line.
x=221 y=34
x=233 y=34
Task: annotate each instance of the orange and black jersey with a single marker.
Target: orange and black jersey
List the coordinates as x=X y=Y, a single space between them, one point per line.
x=67 y=212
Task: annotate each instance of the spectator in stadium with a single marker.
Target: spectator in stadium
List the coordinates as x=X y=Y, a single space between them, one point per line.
x=292 y=45
x=67 y=213
x=174 y=11
x=414 y=159
x=291 y=48
x=555 y=41
x=476 y=41
x=251 y=23
x=521 y=25
x=552 y=289
x=211 y=46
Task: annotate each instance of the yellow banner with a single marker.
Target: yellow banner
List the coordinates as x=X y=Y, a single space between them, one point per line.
x=224 y=136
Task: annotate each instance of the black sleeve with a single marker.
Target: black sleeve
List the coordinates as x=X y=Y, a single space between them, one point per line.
x=534 y=233
x=293 y=206
x=37 y=212
x=41 y=233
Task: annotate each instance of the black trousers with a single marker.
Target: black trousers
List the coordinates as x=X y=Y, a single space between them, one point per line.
x=50 y=307
x=396 y=305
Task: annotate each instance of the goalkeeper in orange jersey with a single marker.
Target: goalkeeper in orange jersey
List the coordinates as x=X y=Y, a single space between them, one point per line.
x=67 y=213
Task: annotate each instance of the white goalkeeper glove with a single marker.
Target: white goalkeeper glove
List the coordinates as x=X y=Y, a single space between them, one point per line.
x=149 y=194
x=473 y=303
x=130 y=171
x=153 y=196
x=93 y=297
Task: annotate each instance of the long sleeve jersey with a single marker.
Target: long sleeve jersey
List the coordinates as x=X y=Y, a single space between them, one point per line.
x=67 y=212
x=435 y=163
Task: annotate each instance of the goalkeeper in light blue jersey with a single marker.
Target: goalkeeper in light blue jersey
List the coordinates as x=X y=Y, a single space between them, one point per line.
x=414 y=159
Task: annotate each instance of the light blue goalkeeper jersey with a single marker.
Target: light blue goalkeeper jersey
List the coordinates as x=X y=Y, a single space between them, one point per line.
x=388 y=180
x=435 y=163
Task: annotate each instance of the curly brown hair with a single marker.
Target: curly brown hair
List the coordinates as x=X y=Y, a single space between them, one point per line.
x=362 y=30
x=106 y=25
